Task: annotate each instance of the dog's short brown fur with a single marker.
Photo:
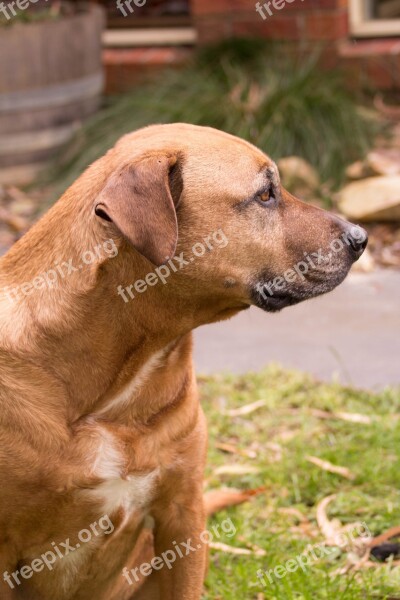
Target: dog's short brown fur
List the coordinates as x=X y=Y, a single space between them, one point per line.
x=99 y=409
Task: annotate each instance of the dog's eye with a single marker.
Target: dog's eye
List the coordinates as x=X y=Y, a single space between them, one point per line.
x=266 y=196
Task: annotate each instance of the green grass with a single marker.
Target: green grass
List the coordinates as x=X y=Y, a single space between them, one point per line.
x=370 y=451
x=285 y=105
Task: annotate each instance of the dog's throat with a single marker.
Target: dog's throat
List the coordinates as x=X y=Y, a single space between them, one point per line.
x=227 y=313
x=172 y=405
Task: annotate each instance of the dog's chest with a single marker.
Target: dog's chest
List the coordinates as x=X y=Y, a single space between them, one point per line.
x=133 y=493
x=118 y=490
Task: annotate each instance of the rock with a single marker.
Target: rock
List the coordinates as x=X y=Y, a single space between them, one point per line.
x=295 y=171
x=357 y=170
x=372 y=199
x=382 y=234
x=390 y=256
x=385 y=161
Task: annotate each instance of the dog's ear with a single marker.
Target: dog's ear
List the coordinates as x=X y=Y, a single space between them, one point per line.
x=137 y=199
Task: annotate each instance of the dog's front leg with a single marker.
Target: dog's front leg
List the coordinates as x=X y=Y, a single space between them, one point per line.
x=8 y=585
x=181 y=548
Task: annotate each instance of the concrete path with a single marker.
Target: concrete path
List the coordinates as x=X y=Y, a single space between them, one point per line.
x=352 y=334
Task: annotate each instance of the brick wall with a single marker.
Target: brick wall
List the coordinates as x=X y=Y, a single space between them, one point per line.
x=369 y=63
x=291 y=20
x=373 y=64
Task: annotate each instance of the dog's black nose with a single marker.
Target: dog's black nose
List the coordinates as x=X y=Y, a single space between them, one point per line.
x=359 y=245
x=358 y=240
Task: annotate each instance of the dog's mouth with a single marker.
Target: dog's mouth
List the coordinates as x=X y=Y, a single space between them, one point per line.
x=275 y=302
x=269 y=298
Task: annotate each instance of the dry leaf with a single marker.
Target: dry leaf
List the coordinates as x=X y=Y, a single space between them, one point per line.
x=234 y=550
x=343 y=416
x=330 y=529
x=216 y=500
x=257 y=550
x=383 y=537
x=327 y=466
x=236 y=470
x=354 y=562
x=354 y=418
x=234 y=450
x=245 y=410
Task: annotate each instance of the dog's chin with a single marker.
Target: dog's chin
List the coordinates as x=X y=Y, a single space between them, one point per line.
x=276 y=300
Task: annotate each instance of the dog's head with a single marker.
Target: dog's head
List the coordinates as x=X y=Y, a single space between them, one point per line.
x=215 y=202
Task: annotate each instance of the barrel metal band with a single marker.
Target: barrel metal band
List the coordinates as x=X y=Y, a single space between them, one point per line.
x=52 y=95
x=37 y=141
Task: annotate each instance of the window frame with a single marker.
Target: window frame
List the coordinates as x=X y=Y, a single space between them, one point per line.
x=167 y=36
x=362 y=25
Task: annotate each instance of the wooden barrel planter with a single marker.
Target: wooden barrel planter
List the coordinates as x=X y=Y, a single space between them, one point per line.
x=51 y=79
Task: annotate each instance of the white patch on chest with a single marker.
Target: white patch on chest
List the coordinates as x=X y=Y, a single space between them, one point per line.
x=133 y=493
x=140 y=378
x=108 y=461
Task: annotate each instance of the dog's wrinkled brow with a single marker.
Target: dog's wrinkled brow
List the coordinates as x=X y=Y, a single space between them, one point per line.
x=267 y=175
x=273 y=173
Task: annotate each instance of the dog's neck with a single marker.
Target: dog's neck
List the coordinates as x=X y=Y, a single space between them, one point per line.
x=81 y=331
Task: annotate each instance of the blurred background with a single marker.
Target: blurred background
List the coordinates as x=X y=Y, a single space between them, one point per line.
x=316 y=85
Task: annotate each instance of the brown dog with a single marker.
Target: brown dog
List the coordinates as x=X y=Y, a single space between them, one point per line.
x=100 y=420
